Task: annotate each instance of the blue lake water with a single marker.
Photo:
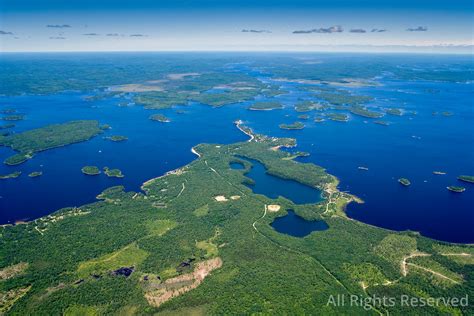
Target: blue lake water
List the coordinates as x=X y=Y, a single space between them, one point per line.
x=236 y=165
x=273 y=187
x=296 y=226
x=413 y=146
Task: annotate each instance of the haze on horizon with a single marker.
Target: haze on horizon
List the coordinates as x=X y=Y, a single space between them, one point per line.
x=210 y=25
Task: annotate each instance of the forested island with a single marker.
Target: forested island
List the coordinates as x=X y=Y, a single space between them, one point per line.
x=113 y=173
x=160 y=118
x=465 y=178
x=117 y=138
x=292 y=126
x=394 y=111
x=404 y=181
x=456 y=189
x=363 y=111
x=12 y=175
x=306 y=106
x=265 y=106
x=90 y=170
x=338 y=117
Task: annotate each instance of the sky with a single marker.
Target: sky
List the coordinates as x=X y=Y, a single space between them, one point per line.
x=263 y=25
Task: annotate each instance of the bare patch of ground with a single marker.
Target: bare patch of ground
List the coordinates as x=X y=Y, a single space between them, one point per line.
x=13 y=270
x=235 y=197
x=8 y=299
x=273 y=208
x=181 y=284
x=220 y=198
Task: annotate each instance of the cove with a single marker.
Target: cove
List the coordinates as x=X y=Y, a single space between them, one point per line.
x=273 y=187
x=296 y=226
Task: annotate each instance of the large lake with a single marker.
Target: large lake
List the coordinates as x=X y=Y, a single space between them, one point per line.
x=413 y=146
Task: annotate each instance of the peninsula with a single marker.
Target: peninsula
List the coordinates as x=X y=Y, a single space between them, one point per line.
x=197 y=238
x=52 y=136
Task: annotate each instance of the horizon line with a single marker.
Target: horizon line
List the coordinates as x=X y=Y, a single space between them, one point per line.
x=247 y=51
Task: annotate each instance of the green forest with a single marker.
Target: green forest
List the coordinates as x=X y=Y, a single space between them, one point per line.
x=198 y=241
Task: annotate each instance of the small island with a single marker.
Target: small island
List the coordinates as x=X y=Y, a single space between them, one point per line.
x=293 y=126
x=90 y=170
x=305 y=106
x=383 y=123
x=114 y=173
x=12 y=175
x=265 y=106
x=364 y=112
x=117 y=138
x=394 y=111
x=303 y=117
x=159 y=118
x=272 y=92
x=465 y=178
x=13 y=118
x=338 y=117
x=35 y=174
x=318 y=120
x=439 y=172
x=404 y=181
x=105 y=127
x=456 y=189
x=7 y=126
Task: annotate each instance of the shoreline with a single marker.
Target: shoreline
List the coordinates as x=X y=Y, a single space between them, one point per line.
x=238 y=123
x=328 y=190
x=195 y=152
